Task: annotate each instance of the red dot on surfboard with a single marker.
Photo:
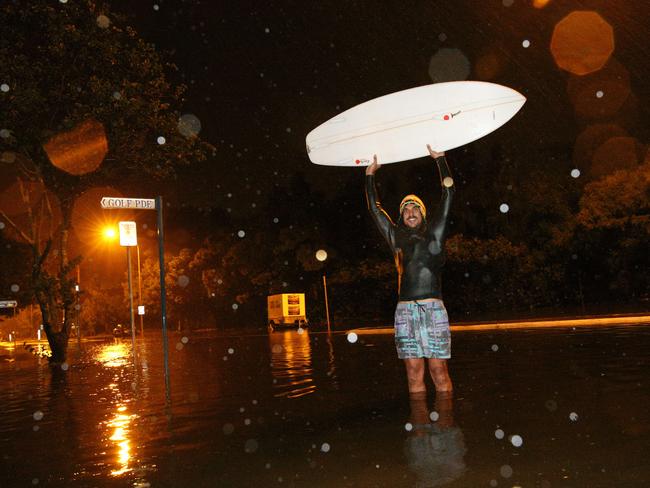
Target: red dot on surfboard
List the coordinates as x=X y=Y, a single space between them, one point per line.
x=358 y=161
x=446 y=117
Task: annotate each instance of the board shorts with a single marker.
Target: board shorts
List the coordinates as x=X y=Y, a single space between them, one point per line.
x=422 y=330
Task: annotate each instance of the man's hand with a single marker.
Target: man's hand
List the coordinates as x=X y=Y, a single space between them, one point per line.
x=372 y=168
x=435 y=154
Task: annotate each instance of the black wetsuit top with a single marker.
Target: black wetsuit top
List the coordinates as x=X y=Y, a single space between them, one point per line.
x=419 y=253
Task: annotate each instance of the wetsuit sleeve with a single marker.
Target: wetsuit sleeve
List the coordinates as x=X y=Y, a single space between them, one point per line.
x=379 y=215
x=438 y=222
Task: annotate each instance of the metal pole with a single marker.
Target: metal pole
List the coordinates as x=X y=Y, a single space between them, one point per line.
x=327 y=307
x=163 y=303
x=78 y=307
x=128 y=264
x=140 y=292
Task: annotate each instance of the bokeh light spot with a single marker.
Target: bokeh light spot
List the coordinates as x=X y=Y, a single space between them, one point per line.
x=189 y=125
x=540 y=3
x=575 y=173
x=506 y=471
x=499 y=434
x=161 y=140
x=582 y=42
x=352 y=337
x=516 y=440
x=183 y=281
x=80 y=150
x=504 y=208
x=615 y=154
x=526 y=43
x=448 y=64
x=103 y=22
x=4 y=88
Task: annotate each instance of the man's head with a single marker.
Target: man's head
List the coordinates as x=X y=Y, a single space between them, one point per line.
x=412 y=211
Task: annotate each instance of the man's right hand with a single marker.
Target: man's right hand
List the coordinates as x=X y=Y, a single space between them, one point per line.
x=372 y=168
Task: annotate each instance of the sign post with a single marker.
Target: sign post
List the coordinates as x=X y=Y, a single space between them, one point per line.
x=129 y=239
x=149 y=204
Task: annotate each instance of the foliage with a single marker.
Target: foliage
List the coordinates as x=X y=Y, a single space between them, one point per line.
x=68 y=64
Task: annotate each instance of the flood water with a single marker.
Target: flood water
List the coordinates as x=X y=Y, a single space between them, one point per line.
x=557 y=407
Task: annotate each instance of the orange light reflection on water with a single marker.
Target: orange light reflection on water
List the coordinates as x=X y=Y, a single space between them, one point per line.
x=120 y=436
x=114 y=355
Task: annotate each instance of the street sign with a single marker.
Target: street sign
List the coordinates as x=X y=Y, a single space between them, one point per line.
x=128 y=234
x=129 y=203
x=8 y=303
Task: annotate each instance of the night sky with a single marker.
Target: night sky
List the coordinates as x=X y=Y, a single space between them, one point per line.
x=261 y=77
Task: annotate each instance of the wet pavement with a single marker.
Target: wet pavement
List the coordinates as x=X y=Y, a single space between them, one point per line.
x=560 y=407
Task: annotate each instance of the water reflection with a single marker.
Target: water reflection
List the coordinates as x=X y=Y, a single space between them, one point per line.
x=118 y=428
x=114 y=355
x=435 y=448
x=291 y=363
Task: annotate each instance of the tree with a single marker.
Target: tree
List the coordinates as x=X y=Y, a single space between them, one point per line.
x=86 y=102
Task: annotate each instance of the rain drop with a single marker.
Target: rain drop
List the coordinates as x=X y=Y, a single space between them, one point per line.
x=38 y=415
x=506 y=471
x=526 y=43
x=228 y=429
x=15 y=288
x=575 y=173
x=504 y=208
x=117 y=95
x=103 y=22
x=325 y=447
x=352 y=337
x=65 y=366
x=516 y=440
x=235 y=306
x=276 y=220
x=408 y=426
x=251 y=446
x=4 y=133
x=189 y=125
x=499 y=434
x=179 y=346
x=599 y=94
x=231 y=350
x=241 y=233
x=161 y=140
x=4 y=87
x=156 y=7
x=495 y=348
x=185 y=340
x=183 y=281
x=434 y=416
x=573 y=416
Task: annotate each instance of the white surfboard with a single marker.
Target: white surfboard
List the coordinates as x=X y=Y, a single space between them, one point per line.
x=397 y=127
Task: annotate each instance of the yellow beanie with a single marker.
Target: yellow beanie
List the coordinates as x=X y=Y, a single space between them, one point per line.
x=415 y=200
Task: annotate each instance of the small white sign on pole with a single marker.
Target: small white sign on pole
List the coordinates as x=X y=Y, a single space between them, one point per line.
x=128 y=234
x=140 y=309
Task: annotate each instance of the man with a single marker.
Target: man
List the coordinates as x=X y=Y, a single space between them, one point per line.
x=417 y=242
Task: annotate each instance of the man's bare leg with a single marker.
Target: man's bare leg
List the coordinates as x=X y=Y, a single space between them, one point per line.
x=440 y=375
x=415 y=375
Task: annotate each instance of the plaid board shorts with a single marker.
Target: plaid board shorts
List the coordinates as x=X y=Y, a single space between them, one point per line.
x=422 y=330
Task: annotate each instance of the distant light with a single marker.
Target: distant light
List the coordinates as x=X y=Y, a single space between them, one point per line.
x=321 y=255
x=599 y=94
x=4 y=87
x=241 y=233
x=352 y=337
x=526 y=43
x=434 y=416
x=161 y=140
x=325 y=447
x=504 y=208
x=499 y=434
x=575 y=173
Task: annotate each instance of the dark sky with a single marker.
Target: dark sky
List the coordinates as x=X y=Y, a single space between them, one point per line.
x=260 y=77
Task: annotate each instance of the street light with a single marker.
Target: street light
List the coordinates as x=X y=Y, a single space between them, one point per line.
x=321 y=255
